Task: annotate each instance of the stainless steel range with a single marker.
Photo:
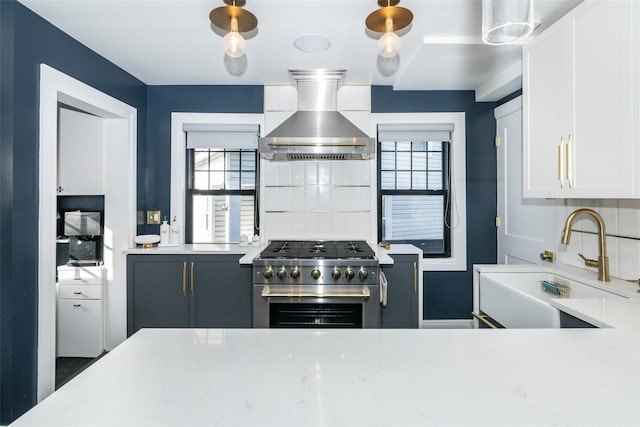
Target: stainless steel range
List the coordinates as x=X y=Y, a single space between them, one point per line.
x=316 y=284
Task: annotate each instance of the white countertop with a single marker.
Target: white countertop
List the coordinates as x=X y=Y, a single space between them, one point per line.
x=250 y=252
x=194 y=248
x=276 y=377
x=603 y=312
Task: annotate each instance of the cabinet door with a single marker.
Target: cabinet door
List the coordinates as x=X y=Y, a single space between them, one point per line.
x=402 y=293
x=79 y=328
x=545 y=114
x=602 y=142
x=80 y=153
x=220 y=292
x=157 y=292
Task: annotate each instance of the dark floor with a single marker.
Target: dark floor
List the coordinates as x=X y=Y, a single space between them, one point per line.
x=69 y=367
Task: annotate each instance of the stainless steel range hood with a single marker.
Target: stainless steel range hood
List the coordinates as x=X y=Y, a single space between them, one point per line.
x=317 y=131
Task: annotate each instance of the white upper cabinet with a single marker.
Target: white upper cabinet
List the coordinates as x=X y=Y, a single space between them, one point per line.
x=580 y=87
x=80 y=153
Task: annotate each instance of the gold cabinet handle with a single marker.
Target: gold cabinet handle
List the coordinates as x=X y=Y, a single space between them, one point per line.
x=568 y=161
x=560 y=162
x=483 y=319
x=184 y=278
x=415 y=278
x=192 y=281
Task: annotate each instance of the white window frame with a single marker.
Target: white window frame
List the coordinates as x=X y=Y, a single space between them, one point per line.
x=458 y=259
x=179 y=149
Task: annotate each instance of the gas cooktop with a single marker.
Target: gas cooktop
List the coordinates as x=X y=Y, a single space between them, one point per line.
x=318 y=249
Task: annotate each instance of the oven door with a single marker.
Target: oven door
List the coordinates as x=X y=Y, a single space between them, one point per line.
x=314 y=306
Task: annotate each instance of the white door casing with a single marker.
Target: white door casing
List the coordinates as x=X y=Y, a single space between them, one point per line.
x=527 y=226
x=120 y=206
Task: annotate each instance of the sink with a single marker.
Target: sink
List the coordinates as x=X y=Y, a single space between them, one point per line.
x=516 y=300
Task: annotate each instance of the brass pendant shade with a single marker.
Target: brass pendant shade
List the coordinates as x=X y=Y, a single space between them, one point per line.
x=388 y=19
x=225 y=17
x=377 y=20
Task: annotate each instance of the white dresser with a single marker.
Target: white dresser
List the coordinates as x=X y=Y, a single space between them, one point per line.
x=80 y=311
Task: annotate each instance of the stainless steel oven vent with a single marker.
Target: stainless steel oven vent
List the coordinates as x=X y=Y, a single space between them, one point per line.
x=328 y=156
x=317 y=131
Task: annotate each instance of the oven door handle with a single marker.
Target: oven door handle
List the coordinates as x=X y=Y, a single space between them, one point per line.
x=363 y=293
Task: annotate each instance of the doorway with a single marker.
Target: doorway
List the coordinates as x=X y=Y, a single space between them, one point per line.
x=525 y=225
x=119 y=199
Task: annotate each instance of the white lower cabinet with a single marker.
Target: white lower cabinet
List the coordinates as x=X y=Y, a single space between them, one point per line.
x=80 y=312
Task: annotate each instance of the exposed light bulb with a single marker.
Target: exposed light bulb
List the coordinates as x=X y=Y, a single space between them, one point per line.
x=388 y=44
x=233 y=44
x=233 y=41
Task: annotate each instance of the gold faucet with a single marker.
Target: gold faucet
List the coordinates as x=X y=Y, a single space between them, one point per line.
x=603 y=260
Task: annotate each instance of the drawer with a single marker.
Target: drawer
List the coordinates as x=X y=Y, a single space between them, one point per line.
x=79 y=291
x=80 y=328
x=80 y=275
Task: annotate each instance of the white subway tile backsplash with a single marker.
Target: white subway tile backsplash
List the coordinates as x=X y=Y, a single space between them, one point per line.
x=297 y=172
x=296 y=201
x=339 y=174
x=311 y=173
x=629 y=259
x=608 y=210
x=271 y=197
x=311 y=198
x=629 y=218
x=324 y=173
x=324 y=195
x=284 y=174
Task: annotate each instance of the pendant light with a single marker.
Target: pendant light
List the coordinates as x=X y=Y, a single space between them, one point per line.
x=506 y=21
x=235 y=20
x=388 y=19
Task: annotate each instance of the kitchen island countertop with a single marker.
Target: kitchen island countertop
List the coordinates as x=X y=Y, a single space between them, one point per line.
x=276 y=377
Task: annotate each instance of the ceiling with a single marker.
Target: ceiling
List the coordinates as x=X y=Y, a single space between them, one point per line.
x=171 y=42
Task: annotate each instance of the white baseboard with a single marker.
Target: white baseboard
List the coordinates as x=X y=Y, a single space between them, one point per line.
x=447 y=324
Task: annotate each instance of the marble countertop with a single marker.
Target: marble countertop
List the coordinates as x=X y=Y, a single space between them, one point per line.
x=280 y=377
x=603 y=312
x=250 y=252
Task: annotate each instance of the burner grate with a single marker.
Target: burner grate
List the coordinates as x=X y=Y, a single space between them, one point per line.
x=318 y=249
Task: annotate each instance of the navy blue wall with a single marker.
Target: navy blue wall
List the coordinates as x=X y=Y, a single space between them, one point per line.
x=448 y=295
x=162 y=101
x=27 y=41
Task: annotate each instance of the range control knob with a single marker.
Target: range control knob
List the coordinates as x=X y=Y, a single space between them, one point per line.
x=267 y=273
x=282 y=273
x=315 y=274
x=295 y=273
x=335 y=274
x=349 y=274
x=363 y=274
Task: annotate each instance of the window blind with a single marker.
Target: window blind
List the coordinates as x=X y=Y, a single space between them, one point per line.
x=222 y=136
x=415 y=132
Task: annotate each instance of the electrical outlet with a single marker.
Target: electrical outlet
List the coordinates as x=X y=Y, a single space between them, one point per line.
x=153 y=217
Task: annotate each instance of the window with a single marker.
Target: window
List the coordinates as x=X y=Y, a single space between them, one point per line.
x=221 y=183
x=414 y=194
x=221 y=195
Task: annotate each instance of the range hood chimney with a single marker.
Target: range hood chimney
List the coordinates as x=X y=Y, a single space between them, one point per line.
x=317 y=131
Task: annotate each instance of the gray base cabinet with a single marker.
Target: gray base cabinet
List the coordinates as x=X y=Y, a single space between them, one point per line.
x=402 y=292
x=179 y=291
